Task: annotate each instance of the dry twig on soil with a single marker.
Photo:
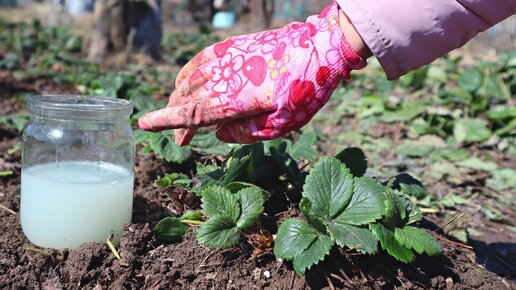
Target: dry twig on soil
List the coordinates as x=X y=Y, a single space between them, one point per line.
x=7 y=209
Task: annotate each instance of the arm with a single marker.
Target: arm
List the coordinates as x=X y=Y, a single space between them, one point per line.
x=407 y=34
x=353 y=37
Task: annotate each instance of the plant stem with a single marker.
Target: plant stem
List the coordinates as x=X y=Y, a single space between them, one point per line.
x=112 y=248
x=6 y=173
x=192 y=222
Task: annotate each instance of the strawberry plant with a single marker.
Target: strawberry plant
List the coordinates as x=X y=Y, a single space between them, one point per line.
x=341 y=206
x=355 y=212
x=337 y=208
x=232 y=183
x=228 y=215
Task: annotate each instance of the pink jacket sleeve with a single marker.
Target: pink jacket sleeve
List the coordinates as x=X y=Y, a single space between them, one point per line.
x=407 y=34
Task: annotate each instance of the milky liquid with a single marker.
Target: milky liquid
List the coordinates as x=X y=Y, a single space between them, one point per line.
x=67 y=204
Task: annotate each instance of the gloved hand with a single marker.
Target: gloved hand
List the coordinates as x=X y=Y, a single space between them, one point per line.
x=259 y=86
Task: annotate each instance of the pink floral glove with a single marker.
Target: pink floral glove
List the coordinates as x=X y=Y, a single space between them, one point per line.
x=259 y=86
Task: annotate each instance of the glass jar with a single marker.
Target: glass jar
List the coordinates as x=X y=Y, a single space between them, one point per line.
x=77 y=170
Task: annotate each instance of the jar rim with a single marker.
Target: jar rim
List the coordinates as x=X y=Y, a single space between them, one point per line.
x=93 y=105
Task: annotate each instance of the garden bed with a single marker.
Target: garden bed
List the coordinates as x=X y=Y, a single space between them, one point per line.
x=148 y=264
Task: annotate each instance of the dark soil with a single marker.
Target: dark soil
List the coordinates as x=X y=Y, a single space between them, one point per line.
x=149 y=264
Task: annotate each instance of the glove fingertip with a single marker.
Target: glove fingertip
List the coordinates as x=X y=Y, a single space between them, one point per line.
x=159 y=120
x=144 y=124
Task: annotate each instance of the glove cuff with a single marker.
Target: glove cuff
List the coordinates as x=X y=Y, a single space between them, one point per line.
x=334 y=40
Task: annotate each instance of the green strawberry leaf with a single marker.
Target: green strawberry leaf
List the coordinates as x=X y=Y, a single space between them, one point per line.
x=162 y=143
x=170 y=229
x=219 y=201
x=251 y=202
x=478 y=164
x=417 y=239
x=305 y=206
x=313 y=254
x=303 y=148
x=503 y=179
x=501 y=112
x=236 y=186
x=406 y=211
x=367 y=203
x=399 y=210
x=414 y=214
x=206 y=176
x=313 y=220
x=408 y=185
x=392 y=214
x=353 y=237
x=354 y=159
x=218 y=232
x=293 y=238
x=171 y=179
x=208 y=143
x=471 y=130
x=317 y=223
x=228 y=212
x=191 y=215
x=390 y=244
x=236 y=168
x=328 y=187
x=414 y=190
x=470 y=79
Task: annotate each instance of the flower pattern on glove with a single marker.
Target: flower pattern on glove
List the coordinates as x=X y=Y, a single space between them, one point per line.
x=226 y=75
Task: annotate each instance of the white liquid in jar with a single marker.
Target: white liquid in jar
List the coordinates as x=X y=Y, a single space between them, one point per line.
x=67 y=204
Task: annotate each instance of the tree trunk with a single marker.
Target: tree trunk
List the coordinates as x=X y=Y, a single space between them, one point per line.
x=126 y=26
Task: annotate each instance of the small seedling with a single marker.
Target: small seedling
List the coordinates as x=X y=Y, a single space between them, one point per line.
x=228 y=215
x=178 y=179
